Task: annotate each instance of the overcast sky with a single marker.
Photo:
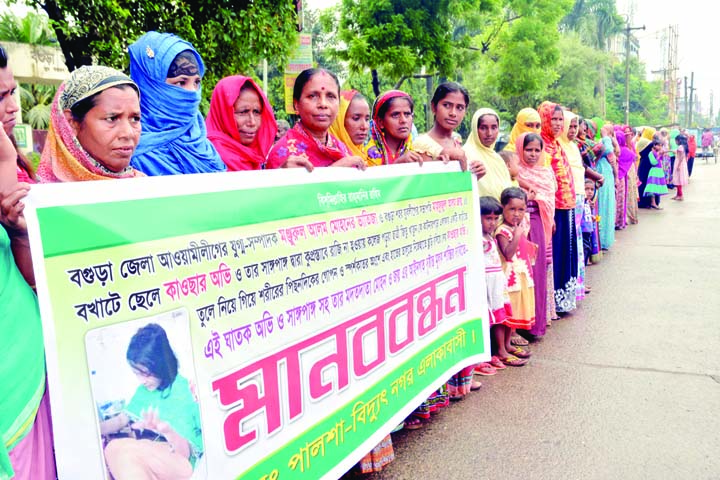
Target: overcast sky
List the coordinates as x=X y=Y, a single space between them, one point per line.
x=697 y=23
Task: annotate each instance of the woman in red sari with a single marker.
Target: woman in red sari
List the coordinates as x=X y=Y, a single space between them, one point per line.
x=309 y=144
x=241 y=124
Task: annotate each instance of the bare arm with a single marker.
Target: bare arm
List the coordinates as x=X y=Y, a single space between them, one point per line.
x=507 y=247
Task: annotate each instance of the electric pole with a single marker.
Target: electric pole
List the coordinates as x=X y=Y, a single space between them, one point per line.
x=685 y=117
x=672 y=68
x=628 y=29
x=712 y=108
x=692 y=96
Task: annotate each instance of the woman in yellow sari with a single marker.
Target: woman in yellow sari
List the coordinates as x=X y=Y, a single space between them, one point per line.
x=352 y=124
x=481 y=146
x=527 y=121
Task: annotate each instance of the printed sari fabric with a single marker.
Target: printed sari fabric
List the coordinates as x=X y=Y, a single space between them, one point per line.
x=222 y=130
x=564 y=240
x=557 y=159
x=606 y=195
x=298 y=142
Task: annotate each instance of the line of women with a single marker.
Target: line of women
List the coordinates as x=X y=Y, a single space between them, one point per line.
x=107 y=125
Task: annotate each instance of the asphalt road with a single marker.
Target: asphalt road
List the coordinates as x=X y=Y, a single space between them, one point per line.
x=628 y=387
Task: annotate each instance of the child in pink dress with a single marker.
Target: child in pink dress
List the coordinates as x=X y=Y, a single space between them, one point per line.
x=680 y=170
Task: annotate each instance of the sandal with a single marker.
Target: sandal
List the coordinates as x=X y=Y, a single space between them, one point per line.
x=517 y=340
x=497 y=363
x=456 y=398
x=513 y=361
x=485 y=369
x=475 y=386
x=520 y=353
x=413 y=423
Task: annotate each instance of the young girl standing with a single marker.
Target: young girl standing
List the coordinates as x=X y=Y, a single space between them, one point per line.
x=449 y=105
x=680 y=172
x=519 y=254
x=656 y=183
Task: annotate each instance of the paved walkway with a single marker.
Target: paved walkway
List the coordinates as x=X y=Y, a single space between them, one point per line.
x=626 y=388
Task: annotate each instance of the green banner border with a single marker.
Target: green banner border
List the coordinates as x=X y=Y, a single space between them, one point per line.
x=79 y=228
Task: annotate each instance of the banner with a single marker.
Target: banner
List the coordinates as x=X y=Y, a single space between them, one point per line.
x=300 y=59
x=309 y=313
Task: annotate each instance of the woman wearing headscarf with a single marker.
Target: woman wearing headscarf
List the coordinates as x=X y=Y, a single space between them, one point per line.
x=174 y=141
x=527 y=121
x=391 y=130
x=626 y=162
x=352 y=124
x=632 y=181
x=539 y=181
x=564 y=239
x=241 y=124
x=643 y=148
x=567 y=142
x=79 y=145
x=480 y=146
x=309 y=144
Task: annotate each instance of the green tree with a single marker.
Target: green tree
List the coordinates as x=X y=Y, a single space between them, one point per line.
x=33 y=29
x=231 y=35
x=398 y=38
x=648 y=104
x=578 y=75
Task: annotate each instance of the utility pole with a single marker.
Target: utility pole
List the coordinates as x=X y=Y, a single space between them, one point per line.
x=712 y=113
x=685 y=117
x=628 y=29
x=692 y=96
x=672 y=68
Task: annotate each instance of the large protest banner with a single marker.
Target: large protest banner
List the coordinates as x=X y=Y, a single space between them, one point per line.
x=309 y=312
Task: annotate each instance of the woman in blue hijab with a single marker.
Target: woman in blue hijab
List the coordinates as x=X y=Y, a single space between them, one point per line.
x=174 y=141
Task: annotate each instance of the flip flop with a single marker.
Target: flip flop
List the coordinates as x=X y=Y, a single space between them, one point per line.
x=520 y=353
x=517 y=340
x=485 y=369
x=475 y=386
x=413 y=423
x=513 y=361
x=497 y=363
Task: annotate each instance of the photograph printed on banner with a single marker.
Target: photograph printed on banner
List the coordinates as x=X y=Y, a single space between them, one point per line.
x=143 y=383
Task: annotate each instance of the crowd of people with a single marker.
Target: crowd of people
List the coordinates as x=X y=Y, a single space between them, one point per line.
x=550 y=200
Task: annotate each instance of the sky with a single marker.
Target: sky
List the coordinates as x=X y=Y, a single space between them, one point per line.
x=696 y=21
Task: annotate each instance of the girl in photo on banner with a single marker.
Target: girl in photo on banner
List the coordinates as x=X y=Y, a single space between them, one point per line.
x=163 y=416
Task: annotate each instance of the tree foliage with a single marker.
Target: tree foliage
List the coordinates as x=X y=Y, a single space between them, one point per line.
x=33 y=28
x=232 y=36
x=399 y=38
x=648 y=105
